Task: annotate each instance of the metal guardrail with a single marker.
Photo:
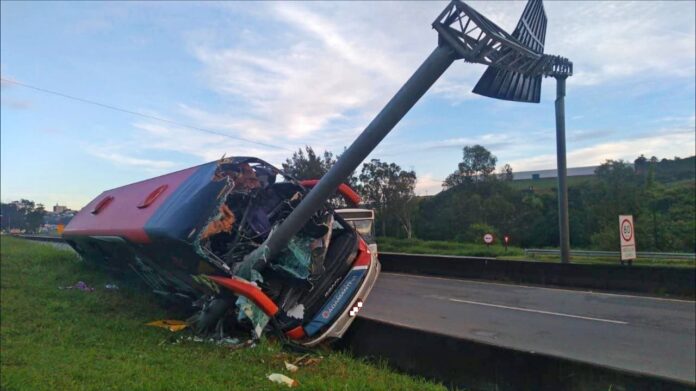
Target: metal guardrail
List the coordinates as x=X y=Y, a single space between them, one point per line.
x=611 y=254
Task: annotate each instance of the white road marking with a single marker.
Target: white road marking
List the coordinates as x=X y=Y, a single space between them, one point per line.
x=528 y=310
x=513 y=285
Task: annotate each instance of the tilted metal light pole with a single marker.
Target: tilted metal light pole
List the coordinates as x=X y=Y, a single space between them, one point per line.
x=516 y=65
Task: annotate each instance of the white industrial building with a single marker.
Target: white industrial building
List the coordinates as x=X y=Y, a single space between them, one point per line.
x=553 y=173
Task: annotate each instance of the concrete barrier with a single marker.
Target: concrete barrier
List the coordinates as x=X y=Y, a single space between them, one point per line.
x=656 y=280
x=469 y=364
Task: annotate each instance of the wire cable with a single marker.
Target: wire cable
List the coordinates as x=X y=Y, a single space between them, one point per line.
x=148 y=116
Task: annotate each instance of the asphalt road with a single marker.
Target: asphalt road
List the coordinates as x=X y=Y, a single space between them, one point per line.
x=638 y=334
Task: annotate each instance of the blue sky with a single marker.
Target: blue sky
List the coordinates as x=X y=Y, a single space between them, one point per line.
x=290 y=74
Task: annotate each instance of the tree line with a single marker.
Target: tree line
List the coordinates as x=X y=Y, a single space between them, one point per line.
x=476 y=199
x=22 y=215
x=660 y=194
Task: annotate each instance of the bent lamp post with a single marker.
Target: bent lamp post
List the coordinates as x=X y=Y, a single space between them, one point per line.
x=516 y=65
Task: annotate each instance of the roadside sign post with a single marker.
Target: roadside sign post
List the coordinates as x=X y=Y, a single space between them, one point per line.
x=506 y=241
x=488 y=239
x=627 y=239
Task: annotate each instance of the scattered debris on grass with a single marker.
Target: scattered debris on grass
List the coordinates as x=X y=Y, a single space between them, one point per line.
x=282 y=379
x=246 y=344
x=306 y=360
x=80 y=285
x=171 y=325
x=111 y=287
x=291 y=367
x=231 y=343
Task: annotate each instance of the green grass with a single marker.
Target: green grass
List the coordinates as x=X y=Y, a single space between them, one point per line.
x=437 y=247
x=609 y=260
x=441 y=247
x=52 y=339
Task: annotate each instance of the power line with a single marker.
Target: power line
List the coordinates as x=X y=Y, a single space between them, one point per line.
x=148 y=116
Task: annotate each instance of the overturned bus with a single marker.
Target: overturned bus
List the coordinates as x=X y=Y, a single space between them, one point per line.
x=186 y=234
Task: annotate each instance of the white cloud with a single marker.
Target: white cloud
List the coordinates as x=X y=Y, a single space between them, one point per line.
x=311 y=83
x=316 y=73
x=16 y=104
x=333 y=68
x=114 y=155
x=206 y=147
x=502 y=143
x=338 y=63
x=665 y=143
x=428 y=184
x=610 y=41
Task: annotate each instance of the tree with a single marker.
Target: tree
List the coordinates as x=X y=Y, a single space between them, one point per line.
x=309 y=165
x=474 y=233
x=615 y=171
x=506 y=173
x=659 y=194
x=23 y=214
x=478 y=162
x=453 y=180
x=35 y=218
x=12 y=216
x=477 y=165
x=616 y=191
x=402 y=200
x=390 y=190
x=640 y=165
x=652 y=191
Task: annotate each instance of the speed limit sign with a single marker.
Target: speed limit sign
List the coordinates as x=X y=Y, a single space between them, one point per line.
x=627 y=237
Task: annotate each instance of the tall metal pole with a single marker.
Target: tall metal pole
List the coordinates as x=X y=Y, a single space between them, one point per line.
x=563 y=226
x=419 y=83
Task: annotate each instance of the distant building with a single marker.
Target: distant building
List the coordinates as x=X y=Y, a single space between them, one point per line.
x=60 y=208
x=553 y=173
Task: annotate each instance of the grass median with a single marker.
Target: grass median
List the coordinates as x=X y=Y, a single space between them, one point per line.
x=53 y=339
x=438 y=247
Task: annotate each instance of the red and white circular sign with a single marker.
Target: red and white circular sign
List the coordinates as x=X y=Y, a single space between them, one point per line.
x=488 y=238
x=626 y=230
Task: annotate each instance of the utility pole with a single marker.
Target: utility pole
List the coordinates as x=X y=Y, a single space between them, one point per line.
x=563 y=226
